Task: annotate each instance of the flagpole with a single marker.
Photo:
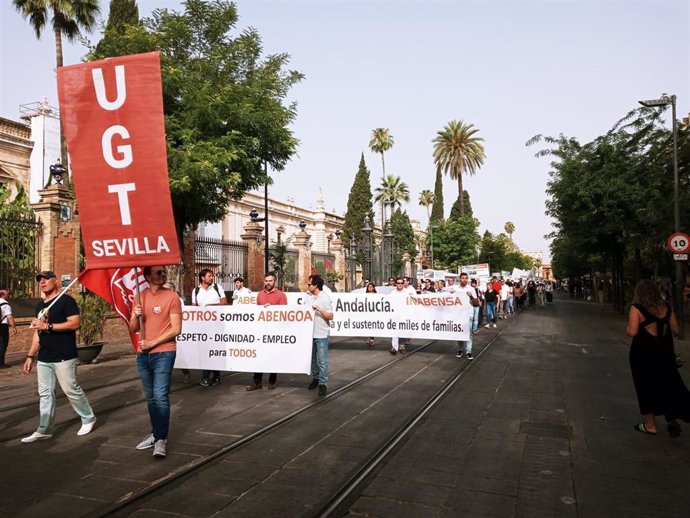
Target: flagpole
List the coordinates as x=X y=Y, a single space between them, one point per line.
x=42 y=313
x=141 y=317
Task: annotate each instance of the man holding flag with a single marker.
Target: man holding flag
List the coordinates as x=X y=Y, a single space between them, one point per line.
x=161 y=310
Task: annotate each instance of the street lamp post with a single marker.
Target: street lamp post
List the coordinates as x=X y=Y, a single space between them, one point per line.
x=680 y=273
x=366 y=238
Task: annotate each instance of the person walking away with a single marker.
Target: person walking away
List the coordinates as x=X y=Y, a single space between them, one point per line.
x=468 y=297
x=540 y=294
x=160 y=309
x=208 y=293
x=398 y=293
x=532 y=293
x=492 y=299
x=7 y=326
x=269 y=296
x=659 y=387
x=323 y=314
x=55 y=343
x=548 y=291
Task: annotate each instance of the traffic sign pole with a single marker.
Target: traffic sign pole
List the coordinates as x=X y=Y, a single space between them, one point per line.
x=678 y=244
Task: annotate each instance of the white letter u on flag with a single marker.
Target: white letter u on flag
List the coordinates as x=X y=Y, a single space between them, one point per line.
x=99 y=84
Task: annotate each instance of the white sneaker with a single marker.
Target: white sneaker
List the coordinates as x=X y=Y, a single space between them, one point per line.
x=86 y=428
x=495 y=325
x=159 y=448
x=487 y=325
x=148 y=441
x=37 y=436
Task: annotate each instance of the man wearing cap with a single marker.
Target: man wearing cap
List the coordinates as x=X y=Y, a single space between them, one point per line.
x=55 y=344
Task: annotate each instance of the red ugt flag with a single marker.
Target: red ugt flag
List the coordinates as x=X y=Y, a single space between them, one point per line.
x=117 y=286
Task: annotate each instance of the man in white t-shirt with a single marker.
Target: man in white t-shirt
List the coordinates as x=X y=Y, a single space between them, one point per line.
x=468 y=296
x=399 y=291
x=241 y=292
x=505 y=293
x=208 y=293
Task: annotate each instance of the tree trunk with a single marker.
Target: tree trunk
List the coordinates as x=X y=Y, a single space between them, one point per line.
x=460 y=193
x=63 y=144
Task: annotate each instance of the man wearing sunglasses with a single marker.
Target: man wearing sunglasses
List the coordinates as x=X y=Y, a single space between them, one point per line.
x=161 y=310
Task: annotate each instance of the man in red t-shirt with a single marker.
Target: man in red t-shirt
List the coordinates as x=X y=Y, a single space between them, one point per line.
x=269 y=296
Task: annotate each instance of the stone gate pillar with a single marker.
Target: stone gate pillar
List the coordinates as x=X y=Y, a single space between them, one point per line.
x=60 y=239
x=255 y=256
x=301 y=241
x=339 y=258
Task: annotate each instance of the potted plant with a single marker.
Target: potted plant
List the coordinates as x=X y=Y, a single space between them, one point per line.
x=93 y=311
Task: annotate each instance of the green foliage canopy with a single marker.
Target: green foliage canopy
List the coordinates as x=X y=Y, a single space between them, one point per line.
x=225 y=104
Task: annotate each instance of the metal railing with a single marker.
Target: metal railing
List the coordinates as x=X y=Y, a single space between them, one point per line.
x=226 y=259
x=19 y=240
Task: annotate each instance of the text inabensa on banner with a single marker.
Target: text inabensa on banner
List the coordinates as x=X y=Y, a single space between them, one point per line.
x=112 y=114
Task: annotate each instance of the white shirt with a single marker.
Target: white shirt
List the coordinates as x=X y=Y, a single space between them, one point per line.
x=411 y=290
x=242 y=292
x=207 y=297
x=505 y=289
x=465 y=292
x=5 y=311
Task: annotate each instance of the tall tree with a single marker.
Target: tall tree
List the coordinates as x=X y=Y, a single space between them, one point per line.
x=393 y=191
x=381 y=141
x=68 y=18
x=358 y=204
x=437 y=211
x=225 y=107
x=121 y=14
x=509 y=227
x=467 y=204
x=455 y=242
x=458 y=150
x=403 y=240
x=426 y=200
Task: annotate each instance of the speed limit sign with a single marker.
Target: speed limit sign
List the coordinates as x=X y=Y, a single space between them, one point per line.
x=678 y=243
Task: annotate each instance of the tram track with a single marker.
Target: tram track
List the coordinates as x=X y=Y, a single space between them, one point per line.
x=340 y=500
x=129 y=501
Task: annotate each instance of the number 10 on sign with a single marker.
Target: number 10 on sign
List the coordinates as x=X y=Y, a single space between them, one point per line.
x=678 y=243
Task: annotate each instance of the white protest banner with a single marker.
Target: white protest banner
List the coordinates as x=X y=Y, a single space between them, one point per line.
x=246 y=338
x=431 y=316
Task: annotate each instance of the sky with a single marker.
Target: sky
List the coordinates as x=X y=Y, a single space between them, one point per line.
x=513 y=69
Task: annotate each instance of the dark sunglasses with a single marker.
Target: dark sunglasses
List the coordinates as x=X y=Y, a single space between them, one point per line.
x=160 y=272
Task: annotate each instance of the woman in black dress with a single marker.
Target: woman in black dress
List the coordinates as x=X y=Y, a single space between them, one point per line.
x=660 y=389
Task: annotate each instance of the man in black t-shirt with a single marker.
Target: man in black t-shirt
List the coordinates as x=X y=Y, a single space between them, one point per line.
x=55 y=342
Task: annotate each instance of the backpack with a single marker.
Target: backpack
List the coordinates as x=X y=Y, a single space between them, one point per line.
x=215 y=287
x=2 y=320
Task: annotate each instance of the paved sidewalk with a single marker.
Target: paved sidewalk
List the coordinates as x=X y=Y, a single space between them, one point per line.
x=540 y=426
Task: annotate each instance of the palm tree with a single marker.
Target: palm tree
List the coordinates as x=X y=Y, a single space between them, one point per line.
x=393 y=191
x=68 y=18
x=509 y=227
x=426 y=200
x=458 y=150
x=380 y=142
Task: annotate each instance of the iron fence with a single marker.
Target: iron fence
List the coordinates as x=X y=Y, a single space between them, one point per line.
x=322 y=262
x=19 y=240
x=226 y=259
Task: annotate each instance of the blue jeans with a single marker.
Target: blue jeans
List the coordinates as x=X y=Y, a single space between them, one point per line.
x=155 y=371
x=475 y=319
x=319 y=360
x=65 y=373
x=490 y=312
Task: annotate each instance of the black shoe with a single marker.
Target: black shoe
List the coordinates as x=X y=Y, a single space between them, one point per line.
x=215 y=381
x=459 y=354
x=470 y=357
x=204 y=382
x=323 y=390
x=314 y=383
